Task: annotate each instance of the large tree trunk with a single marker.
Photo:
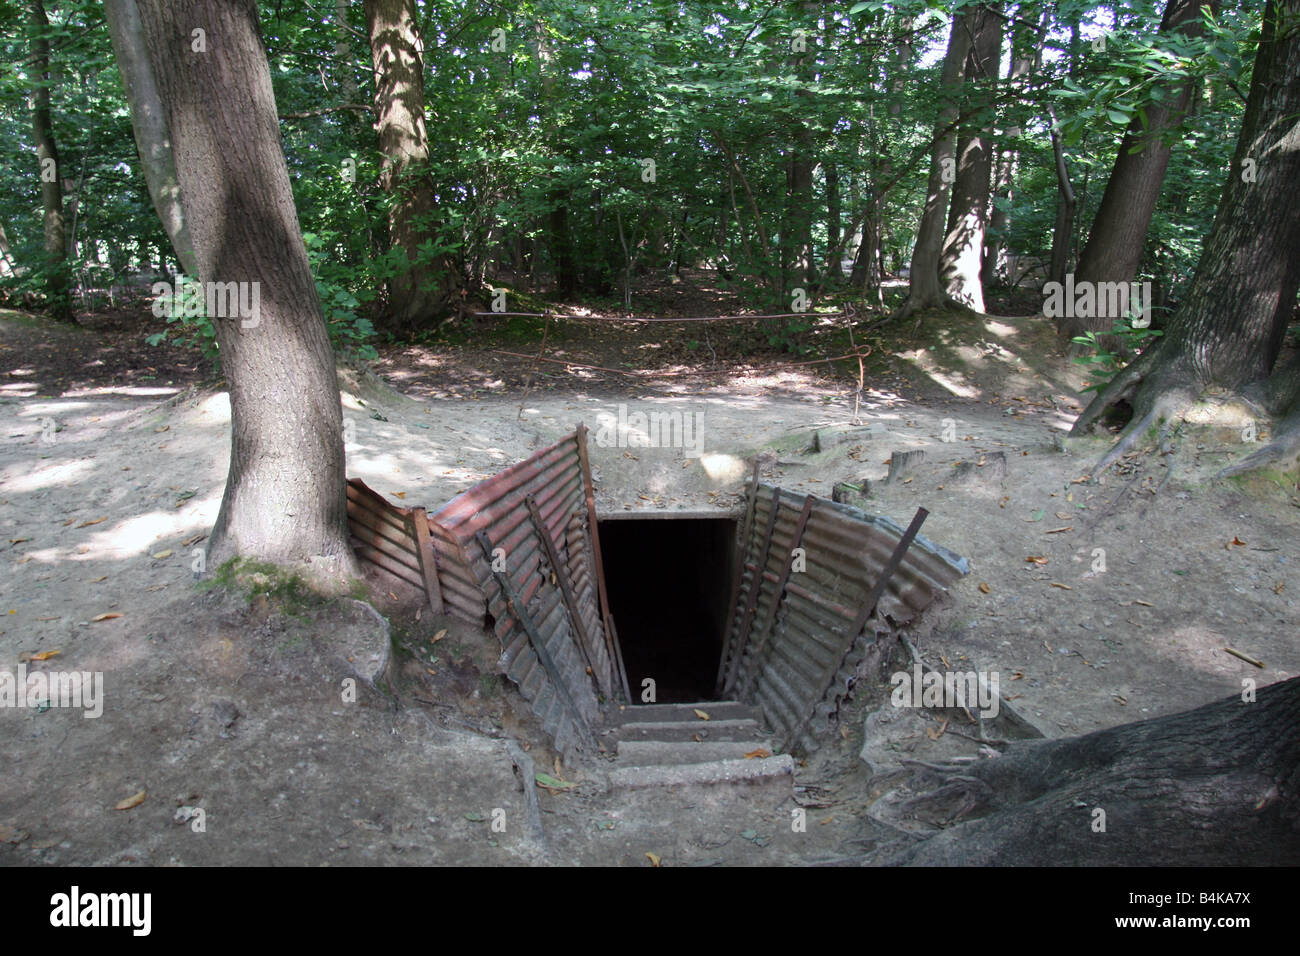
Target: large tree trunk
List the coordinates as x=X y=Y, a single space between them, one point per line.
x=1214 y=786
x=58 y=276
x=925 y=289
x=1114 y=248
x=152 y=139
x=1228 y=328
x=285 y=498
x=963 y=247
x=419 y=293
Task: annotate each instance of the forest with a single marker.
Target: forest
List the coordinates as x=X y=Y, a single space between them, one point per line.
x=304 y=306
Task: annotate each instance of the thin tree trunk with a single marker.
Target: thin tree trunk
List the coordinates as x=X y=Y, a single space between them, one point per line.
x=58 y=277
x=1113 y=251
x=285 y=498
x=343 y=67
x=833 y=225
x=1066 y=202
x=152 y=141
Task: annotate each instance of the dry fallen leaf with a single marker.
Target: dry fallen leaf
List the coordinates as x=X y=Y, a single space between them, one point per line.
x=162 y=554
x=18 y=540
x=1236 y=542
x=936 y=734
x=758 y=753
x=192 y=539
x=439 y=636
x=106 y=617
x=87 y=524
x=44 y=655
x=984 y=588
x=102 y=577
x=1063 y=587
x=654 y=860
x=1036 y=559
x=399 y=494
x=133 y=801
x=701 y=714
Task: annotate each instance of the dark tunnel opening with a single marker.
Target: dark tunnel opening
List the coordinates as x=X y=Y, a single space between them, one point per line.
x=669 y=584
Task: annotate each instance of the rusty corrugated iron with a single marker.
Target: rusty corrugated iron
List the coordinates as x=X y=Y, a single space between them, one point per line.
x=783 y=651
x=555 y=681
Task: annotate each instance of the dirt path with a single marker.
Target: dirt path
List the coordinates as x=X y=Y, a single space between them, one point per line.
x=105 y=494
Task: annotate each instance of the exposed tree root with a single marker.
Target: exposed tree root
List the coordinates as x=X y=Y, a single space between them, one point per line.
x=1212 y=786
x=1283 y=450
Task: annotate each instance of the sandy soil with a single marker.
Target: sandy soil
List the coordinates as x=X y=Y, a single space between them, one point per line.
x=106 y=492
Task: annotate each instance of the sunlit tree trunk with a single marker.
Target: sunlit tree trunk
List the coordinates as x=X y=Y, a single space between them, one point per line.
x=152 y=140
x=285 y=496
x=963 y=247
x=419 y=293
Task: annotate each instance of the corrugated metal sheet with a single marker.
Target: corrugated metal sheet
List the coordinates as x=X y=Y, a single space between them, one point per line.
x=555 y=480
x=453 y=571
x=789 y=649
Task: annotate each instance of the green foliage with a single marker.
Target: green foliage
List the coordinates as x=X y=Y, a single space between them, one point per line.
x=540 y=133
x=1105 y=361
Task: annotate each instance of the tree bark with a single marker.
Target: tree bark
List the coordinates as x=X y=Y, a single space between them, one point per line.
x=833 y=226
x=1066 y=202
x=152 y=140
x=963 y=247
x=925 y=289
x=1212 y=786
x=285 y=499
x=1113 y=251
x=420 y=292
x=1229 y=326
x=58 y=277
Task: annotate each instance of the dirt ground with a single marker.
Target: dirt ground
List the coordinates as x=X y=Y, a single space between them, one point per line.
x=1097 y=603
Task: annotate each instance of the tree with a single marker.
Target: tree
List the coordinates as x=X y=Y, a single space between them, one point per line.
x=147 y=122
x=1216 y=785
x=924 y=287
x=419 y=290
x=1114 y=248
x=963 y=247
x=285 y=497
x=58 y=275
x=1228 y=328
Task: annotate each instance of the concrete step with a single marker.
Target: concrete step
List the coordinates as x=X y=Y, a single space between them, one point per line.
x=778 y=770
x=683 y=731
x=644 y=753
x=673 y=713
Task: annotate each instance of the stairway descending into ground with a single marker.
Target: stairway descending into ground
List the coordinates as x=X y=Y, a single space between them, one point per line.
x=671 y=744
